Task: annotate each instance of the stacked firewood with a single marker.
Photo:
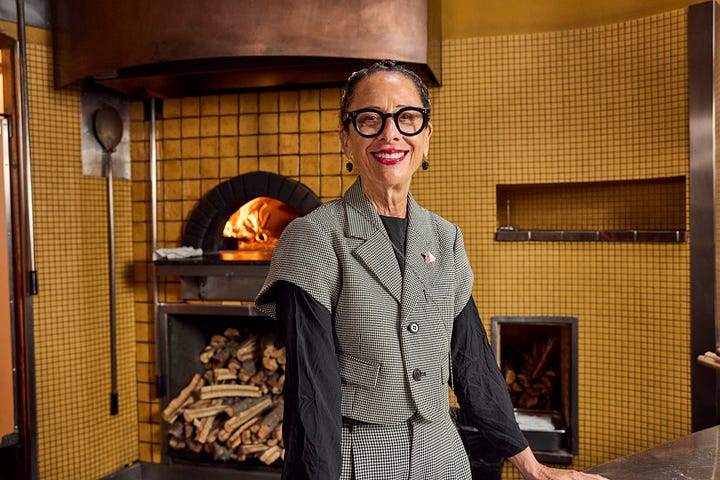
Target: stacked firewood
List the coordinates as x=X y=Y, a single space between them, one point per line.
x=531 y=381
x=234 y=410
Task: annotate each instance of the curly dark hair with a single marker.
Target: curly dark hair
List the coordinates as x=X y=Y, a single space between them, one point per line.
x=381 y=66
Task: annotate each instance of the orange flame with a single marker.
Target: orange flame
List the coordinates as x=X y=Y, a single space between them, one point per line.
x=258 y=225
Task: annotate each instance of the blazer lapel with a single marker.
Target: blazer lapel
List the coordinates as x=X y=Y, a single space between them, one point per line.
x=376 y=251
x=420 y=243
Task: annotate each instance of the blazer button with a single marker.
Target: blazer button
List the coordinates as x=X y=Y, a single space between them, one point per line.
x=413 y=327
x=418 y=374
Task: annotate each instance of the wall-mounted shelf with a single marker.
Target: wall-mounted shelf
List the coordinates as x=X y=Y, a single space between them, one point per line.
x=657 y=236
x=643 y=210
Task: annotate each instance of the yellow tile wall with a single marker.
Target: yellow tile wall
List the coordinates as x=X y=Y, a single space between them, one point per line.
x=600 y=104
x=76 y=435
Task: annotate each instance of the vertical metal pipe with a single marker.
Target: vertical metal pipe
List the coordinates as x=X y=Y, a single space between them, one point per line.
x=160 y=332
x=25 y=120
x=153 y=193
x=114 y=403
x=703 y=249
x=28 y=435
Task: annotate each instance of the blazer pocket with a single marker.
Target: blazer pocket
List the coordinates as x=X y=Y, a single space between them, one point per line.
x=358 y=371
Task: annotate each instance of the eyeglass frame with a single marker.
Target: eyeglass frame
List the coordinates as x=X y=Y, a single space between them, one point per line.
x=351 y=117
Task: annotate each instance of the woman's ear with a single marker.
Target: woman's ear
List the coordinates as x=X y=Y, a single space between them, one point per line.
x=344 y=142
x=427 y=139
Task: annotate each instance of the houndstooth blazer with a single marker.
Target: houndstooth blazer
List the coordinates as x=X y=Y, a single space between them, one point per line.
x=392 y=331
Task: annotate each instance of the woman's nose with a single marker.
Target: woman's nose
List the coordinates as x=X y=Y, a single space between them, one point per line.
x=390 y=130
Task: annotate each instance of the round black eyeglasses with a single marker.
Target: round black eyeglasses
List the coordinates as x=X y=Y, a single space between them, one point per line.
x=369 y=122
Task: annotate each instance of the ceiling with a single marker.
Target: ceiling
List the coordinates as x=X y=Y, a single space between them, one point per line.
x=473 y=18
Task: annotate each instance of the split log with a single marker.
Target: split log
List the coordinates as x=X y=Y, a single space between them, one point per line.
x=234 y=364
x=269 y=363
x=191 y=414
x=221 y=391
x=204 y=429
x=277 y=433
x=224 y=375
x=269 y=344
x=253 y=448
x=239 y=406
x=172 y=410
x=236 y=438
x=247 y=349
x=175 y=430
x=177 y=444
x=240 y=418
x=270 y=420
x=247 y=369
x=216 y=429
x=270 y=455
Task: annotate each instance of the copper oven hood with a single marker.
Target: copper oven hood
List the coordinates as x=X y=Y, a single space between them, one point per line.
x=171 y=48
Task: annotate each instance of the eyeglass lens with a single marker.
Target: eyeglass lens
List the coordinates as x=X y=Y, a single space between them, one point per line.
x=370 y=122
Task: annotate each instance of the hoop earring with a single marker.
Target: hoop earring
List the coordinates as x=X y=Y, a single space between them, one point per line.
x=349 y=167
x=425 y=165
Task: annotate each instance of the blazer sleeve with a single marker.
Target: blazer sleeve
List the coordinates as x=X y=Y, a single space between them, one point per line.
x=304 y=256
x=463 y=273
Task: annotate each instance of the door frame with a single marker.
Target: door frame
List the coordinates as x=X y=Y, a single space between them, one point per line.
x=26 y=464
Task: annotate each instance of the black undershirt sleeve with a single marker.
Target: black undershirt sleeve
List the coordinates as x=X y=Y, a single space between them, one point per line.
x=480 y=387
x=312 y=420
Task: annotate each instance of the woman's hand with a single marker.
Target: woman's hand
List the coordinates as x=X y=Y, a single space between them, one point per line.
x=531 y=469
x=548 y=473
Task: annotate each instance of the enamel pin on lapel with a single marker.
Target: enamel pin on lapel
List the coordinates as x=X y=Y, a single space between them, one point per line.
x=429 y=257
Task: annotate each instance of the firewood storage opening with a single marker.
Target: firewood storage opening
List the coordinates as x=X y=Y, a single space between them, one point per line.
x=221 y=387
x=538 y=358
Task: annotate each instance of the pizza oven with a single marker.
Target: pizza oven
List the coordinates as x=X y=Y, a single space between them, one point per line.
x=220 y=360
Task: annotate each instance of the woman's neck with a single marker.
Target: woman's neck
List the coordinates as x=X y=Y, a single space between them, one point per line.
x=390 y=202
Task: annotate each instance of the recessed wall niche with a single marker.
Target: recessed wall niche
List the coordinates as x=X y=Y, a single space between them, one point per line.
x=651 y=210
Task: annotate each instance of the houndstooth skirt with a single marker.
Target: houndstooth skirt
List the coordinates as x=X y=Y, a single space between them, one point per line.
x=413 y=450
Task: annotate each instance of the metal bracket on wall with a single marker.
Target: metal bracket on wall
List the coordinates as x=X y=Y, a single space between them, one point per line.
x=93 y=98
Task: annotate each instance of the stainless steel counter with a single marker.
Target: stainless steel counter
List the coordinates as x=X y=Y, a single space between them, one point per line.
x=694 y=457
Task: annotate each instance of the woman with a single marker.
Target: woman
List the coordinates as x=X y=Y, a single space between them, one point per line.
x=373 y=294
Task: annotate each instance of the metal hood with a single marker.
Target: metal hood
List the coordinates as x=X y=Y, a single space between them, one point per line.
x=173 y=48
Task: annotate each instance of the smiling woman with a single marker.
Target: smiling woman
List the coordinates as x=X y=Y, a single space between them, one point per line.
x=373 y=295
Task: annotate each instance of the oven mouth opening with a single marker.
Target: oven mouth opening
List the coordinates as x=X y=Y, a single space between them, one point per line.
x=242 y=218
x=252 y=232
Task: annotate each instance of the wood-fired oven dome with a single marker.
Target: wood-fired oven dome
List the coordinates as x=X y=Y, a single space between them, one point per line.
x=206 y=223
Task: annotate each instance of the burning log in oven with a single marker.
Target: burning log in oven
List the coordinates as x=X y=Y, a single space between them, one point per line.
x=256 y=227
x=234 y=410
